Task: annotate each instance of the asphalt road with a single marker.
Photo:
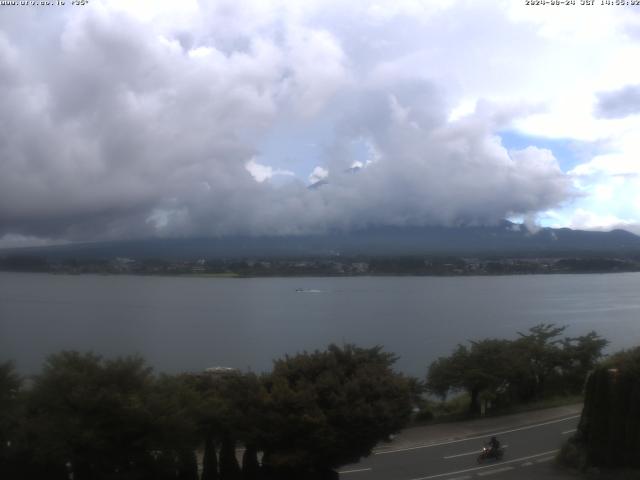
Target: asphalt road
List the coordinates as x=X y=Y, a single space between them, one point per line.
x=529 y=452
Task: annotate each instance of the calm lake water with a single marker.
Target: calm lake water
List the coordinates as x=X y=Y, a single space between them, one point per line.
x=188 y=324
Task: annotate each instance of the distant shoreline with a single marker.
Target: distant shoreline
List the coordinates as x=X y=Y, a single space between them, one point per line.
x=317 y=275
x=334 y=266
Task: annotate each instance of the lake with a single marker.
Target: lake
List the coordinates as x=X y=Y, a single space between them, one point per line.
x=188 y=324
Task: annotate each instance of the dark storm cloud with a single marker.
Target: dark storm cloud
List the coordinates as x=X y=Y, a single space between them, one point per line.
x=114 y=129
x=619 y=103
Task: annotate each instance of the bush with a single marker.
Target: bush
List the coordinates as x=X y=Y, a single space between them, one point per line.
x=457 y=405
x=424 y=415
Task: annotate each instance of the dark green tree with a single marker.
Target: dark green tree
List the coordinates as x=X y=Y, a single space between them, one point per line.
x=229 y=412
x=446 y=374
x=187 y=464
x=329 y=408
x=91 y=413
x=210 y=458
x=229 y=467
x=250 y=465
x=537 y=363
x=209 y=421
x=538 y=358
x=173 y=404
x=580 y=355
x=484 y=368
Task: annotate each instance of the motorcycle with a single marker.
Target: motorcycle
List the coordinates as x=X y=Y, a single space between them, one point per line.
x=488 y=453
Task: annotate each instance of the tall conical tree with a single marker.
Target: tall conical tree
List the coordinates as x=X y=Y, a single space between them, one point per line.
x=210 y=459
x=610 y=423
x=163 y=466
x=187 y=465
x=229 y=468
x=250 y=465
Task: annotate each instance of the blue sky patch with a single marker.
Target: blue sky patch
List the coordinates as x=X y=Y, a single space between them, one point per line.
x=568 y=152
x=295 y=146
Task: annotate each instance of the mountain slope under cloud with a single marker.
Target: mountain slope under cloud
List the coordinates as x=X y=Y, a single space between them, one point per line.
x=504 y=239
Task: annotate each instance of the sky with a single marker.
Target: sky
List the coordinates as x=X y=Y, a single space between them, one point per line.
x=152 y=118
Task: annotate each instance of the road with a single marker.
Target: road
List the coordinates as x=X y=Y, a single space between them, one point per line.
x=529 y=452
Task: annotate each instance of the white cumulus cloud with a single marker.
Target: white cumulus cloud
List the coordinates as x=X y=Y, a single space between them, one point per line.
x=132 y=119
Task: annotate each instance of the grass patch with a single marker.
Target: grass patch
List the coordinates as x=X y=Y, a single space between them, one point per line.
x=456 y=408
x=451 y=410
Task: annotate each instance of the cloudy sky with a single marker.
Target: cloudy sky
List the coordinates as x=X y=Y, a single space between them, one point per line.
x=136 y=118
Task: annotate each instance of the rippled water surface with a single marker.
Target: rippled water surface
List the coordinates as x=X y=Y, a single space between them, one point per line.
x=182 y=324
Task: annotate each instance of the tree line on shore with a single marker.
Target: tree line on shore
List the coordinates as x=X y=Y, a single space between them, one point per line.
x=114 y=419
x=536 y=365
x=431 y=265
x=99 y=418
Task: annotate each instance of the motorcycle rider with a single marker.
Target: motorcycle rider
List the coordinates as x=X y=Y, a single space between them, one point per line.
x=494 y=443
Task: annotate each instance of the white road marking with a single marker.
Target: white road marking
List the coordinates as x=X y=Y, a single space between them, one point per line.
x=355 y=471
x=493 y=472
x=449 y=442
x=515 y=460
x=475 y=452
x=466 y=477
x=566 y=432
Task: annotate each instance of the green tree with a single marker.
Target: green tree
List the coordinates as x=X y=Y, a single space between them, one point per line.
x=446 y=374
x=210 y=458
x=537 y=363
x=329 y=408
x=229 y=467
x=580 y=356
x=173 y=403
x=242 y=403
x=250 y=465
x=538 y=358
x=483 y=369
x=91 y=413
x=231 y=405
